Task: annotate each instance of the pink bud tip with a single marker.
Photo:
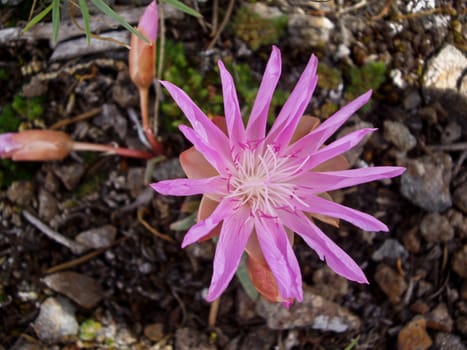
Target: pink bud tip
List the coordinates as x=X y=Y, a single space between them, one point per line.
x=148 y=24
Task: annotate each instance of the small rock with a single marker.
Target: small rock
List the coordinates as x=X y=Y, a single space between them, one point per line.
x=259 y=338
x=426 y=182
x=459 y=262
x=451 y=133
x=309 y=31
x=461 y=325
x=123 y=92
x=435 y=228
x=448 y=342
x=83 y=290
x=314 y=312
x=56 y=321
x=458 y=222
x=420 y=307
x=392 y=284
x=135 y=181
x=69 y=175
x=399 y=135
x=112 y=118
x=245 y=307
x=460 y=197
x=23 y=344
x=414 y=336
x=21 y=193
x=412 y=100
x=328 y=284
x=412 y=241
x=439 y=319
x=390 y=249
x=154 y=331
x=100 y=237
x=189 y=338
x=48 y=205
x=170 y=169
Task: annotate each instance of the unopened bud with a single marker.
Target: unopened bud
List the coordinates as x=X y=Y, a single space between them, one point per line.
x=142 y=54
x=35 y=145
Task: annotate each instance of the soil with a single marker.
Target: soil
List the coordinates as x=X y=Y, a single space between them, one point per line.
x=140 y=290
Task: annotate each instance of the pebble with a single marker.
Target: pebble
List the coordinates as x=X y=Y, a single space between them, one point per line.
x=154 y=331
x=414 y=336
x=459 y=262
x=391 y=283
x=451 y=133
x=309 y=31
x=112 y=118
x=189 y=338
x=245 y=309
x=258 y=338
x=48 y=205
x=390 y=249
x=399 y=135
x=459 y=222
x=439 y=319
x=23 y=344
x=314 y=312
x=69 y=175
x=460 y=197
x=412 y=100
x=461 y=325
x=134 y=181
x=426 y=182
x=411 y=241
x=82 y=289
x=56 y=321
x=21 y=193
x=436 y=228
x=448 y=342
x=99 y=237
x=328 y=284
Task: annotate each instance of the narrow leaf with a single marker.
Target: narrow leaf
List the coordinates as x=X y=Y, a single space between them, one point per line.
x=87 y=25
x=102 y=6
x=37 y=18
x=55 y=19
x=182 y=7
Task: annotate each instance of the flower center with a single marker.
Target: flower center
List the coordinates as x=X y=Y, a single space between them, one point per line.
x=263 y=181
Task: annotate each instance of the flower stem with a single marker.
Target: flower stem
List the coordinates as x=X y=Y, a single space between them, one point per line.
x=144 y=101
x=133 y=153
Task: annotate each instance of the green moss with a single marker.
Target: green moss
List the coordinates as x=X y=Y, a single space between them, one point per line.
x=30 y=108
x=90 y=186
x=9 y=122
x=89 y=329
x=15 y=171
x=257 y=31
x=4 y=74
x=329 y=77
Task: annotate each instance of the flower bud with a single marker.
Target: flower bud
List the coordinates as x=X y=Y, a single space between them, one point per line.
x=35 y=145
x=142 y=54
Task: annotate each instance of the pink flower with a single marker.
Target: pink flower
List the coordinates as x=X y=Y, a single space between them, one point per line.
x=35 y=145
x=142 y=54
x=260 y=187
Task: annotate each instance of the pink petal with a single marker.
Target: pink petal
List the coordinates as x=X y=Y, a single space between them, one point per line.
x=293 y=109
x=8 y=144
x=256 y=128
x=318 y=182
x=233 y=116
x=189 y=187
x=336 y=258
x=149 y=21
x=208 y=132
x=335 y=148
x=323 y=206
x=317 y=137
x=280 y=257
x=225 y=209
x=235 y=232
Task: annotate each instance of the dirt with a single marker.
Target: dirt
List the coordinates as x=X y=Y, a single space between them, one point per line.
x=135 y=288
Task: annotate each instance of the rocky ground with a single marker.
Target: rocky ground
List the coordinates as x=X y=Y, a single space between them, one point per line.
x=115 y=277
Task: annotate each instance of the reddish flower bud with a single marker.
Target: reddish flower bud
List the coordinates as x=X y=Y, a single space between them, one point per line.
x=35 y=145
x=142 y=54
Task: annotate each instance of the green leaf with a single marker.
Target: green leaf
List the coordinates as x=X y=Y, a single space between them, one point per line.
x=353 y=343
x=182 y=7
x=102 y=6
x=242 y=275
x=87 y=25
x=37 y=18
x=55 y=19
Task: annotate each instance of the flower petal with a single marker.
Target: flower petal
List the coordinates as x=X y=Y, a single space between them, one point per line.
x=233 y=116
x=280 y=257
x=235 y=232
x=226 y=208
x=205 y=128
x=195 y=165
x=318 y=182
x=323 y=206
x=293 y=109
x=315 y=139
x=206 y=208
x=336 y=258
x=188 y=187
x=256 y=127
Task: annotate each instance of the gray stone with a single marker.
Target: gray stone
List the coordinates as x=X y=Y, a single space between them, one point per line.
x=100 y=237
x=189 y=338
x=390 y=249
x=83 y=290
x=69 y=175
x=112 y=118
x=399 y=135
x=392 y=283
x=48 y=205
x=315 y=312
x=309 y=31
x=460 y=197
x=459 y=262
x=436 y=228
x=426 y=182
x=447 y=341
x=412 y=100
x=56 y=321
x=21 y=193
x=328 y=284
x=440 y=319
